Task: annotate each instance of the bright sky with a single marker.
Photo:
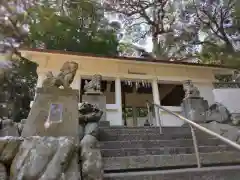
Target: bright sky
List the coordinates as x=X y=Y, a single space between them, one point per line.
x=149 y=45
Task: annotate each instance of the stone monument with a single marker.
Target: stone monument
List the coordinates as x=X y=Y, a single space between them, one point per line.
x=194 y=107
x=93 y=95
x=55 y=111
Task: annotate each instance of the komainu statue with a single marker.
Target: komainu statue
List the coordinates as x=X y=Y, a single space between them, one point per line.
x=93 y=86
x=64 y=78
x=89 y=116
x=190 y=89
x=219 y=113
x=236 y=76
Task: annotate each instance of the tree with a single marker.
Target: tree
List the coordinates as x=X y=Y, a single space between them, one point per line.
x=64 y=25
x=80 y=28
x=159 y=19
x=18 y=79
x=220 y=23
x=48 y=24
x=205 y=30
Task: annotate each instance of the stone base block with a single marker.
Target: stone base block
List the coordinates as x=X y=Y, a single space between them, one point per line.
x=104 y=124
x=195 y=109
x=44 y=158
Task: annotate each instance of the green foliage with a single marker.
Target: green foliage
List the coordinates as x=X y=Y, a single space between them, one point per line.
x=25 y=75
x=179 y=29
x=83 y=29
x=77 y=26
x=25 y=79
x=220 y=22
x=220 y=55
x=18 y=85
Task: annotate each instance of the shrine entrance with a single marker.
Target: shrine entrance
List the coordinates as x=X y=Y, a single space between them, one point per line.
x=135 y=93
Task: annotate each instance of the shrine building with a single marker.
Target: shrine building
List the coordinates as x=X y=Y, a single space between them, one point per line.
x=129 y=82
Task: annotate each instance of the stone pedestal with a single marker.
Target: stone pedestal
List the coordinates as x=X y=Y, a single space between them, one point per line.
x=99 y=100
x=104 y=123
x=194 y=108
x=9 y=131
x=63 y=121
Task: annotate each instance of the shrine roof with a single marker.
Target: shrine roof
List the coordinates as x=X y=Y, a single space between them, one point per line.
x=127 y=58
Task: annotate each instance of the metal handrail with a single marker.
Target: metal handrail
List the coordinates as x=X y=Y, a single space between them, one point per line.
x=157 y=117
x=193 y=124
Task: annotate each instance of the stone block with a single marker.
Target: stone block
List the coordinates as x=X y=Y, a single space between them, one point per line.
x=230 y=132
x=99 y=100
x=63 y=123
x=3 y=172
x=195 y=108
x=44 y=158
x=9 y=146
x=92 y=167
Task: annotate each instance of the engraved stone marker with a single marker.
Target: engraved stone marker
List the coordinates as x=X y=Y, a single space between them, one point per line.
x=54 y=113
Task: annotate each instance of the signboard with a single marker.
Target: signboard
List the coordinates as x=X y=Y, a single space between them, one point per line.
x=55 y=113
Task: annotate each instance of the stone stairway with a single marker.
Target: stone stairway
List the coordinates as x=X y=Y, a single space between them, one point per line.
x=143 y=153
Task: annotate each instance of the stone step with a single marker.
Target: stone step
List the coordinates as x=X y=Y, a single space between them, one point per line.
x=126 y=130
x=148 y=136
x=131 y=137
x=162 y=151
x=208 y=173
x=164 y=161
x=152 y=133
x=158 y=143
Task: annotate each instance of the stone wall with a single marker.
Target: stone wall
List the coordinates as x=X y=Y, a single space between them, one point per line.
x=229 y=97
x=39 y=158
